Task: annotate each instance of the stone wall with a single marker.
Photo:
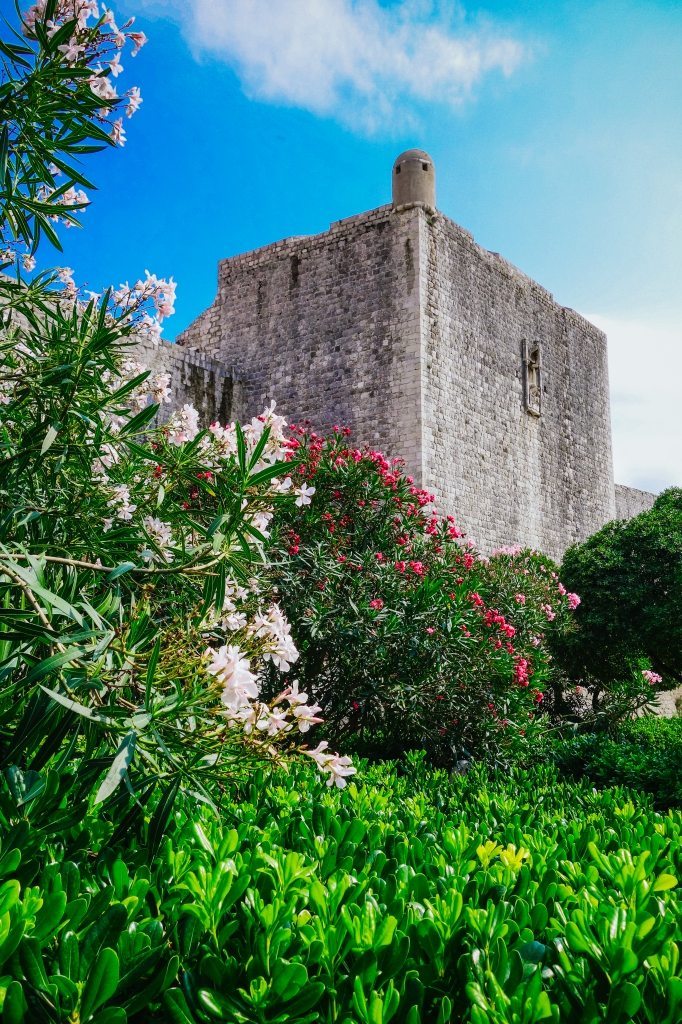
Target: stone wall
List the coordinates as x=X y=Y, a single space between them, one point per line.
x=398 y=324
x=510 y=476
x=195 y=377
x=630 y=501
x=328 y=327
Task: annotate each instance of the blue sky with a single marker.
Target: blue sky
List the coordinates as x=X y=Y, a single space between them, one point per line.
x=555 y=130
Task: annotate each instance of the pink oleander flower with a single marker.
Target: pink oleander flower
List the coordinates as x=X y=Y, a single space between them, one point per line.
x=319 y=754
x=134 y=100
x=117 y=134
x=273 y=721
x=339 y=768
x=162 y=535
x=72 y=50
x=306 y=715
x=115 y=66
x=232 y=669
x=522 y=671
x=520 y=598
x=121 y=503
x=304 y=495
x=294 y=695
x=183 y=426
x=139 y=40
x=377 y=604
x=573 y=601
x=507 y=550
x=652 y=678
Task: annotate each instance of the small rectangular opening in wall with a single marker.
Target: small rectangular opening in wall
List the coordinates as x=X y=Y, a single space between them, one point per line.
x=295 y=267
x=532 y=377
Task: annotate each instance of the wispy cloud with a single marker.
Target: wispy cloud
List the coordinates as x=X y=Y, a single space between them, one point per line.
x=645 y=368
x=368 y=66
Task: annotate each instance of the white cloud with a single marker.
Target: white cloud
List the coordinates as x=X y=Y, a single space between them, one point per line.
x=364 y=64
x=645 y=370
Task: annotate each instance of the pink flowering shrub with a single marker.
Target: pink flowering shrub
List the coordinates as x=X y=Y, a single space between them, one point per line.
x=526 y=587
x=407 y=638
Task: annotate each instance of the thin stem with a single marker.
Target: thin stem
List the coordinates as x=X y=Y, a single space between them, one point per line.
x=78 y=563
x=33 y=601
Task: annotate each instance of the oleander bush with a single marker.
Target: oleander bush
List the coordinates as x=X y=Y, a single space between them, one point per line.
x=411 y=896
x=645 y=754
x=135 y=614
x=407 y=637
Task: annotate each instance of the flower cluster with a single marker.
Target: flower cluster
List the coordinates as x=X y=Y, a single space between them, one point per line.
x=161 y=537
x=339 y=768
x=290 y=712
x=150 y=300
x=96 y=41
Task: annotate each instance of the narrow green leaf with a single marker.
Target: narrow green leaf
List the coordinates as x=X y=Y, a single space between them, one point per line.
x=151 y=672
x=80 y=709
x=138 y=422
x=53 y=600
x=4 y=151
x=55 y=661
x=50 y=438
x=159 y=819
x=120 y=570
x=119 y=766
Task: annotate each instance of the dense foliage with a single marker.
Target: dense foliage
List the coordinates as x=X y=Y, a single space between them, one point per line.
x=406 y=898
x=629 y=625
x=407 y=637
x=134 y=614
x=645 y=754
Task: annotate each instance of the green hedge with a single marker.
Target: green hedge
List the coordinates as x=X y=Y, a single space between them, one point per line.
x=646 y=755
x=410 y=898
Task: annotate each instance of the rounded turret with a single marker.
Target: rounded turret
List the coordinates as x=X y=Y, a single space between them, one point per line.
x=414 y=178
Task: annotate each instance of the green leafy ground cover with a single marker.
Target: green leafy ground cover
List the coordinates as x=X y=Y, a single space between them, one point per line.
x=411 y=897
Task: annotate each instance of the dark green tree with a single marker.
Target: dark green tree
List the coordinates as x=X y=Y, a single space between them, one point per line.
x=629 y=576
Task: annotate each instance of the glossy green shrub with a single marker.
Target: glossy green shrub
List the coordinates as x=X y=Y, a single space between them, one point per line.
x=645 y=754
x=412 y=897
x=76 y=948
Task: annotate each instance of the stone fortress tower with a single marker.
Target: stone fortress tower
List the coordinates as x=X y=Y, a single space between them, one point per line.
x=396 y=323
